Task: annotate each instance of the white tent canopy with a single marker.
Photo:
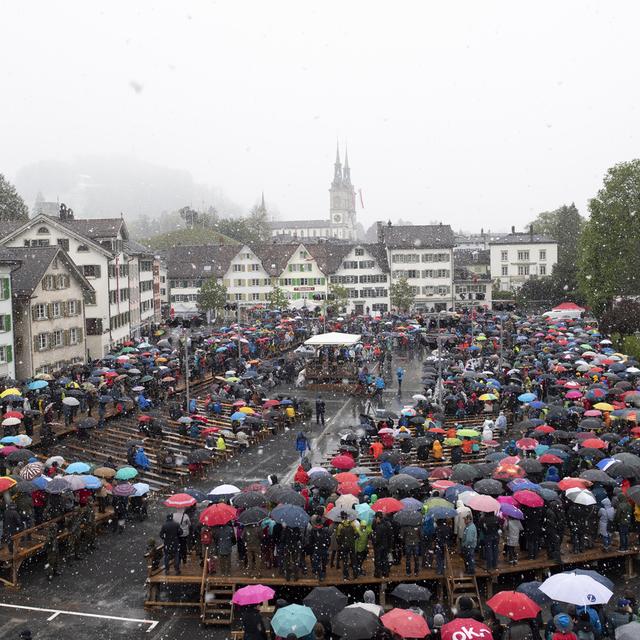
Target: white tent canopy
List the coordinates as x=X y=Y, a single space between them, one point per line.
x=333 y=339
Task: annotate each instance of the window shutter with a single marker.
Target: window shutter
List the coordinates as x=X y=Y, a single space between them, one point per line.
x=34 y=313
x=63 y=309
x=6 y=288
x=35 y=343
x=79 y=333
x=9 y=353
x=66 y=338
x=7 y=323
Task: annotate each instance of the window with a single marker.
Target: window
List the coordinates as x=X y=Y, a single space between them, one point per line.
x=238 y=267
x=523 y=255
x=359 y=252
x=43 y=230
x=56 y=309
x=504 y=270
x=90 y=298
x=94 y=326
x=57 y=339
x=42 y=341
x=523 y=269
x=5 y=322
x=350 y=264
x=91 y=270
x=40 y=312
x=82 y=248
x=5 y=288
x=62 y=281
x=504 y=256
x=304 y=255
x=72 y=307
x=37 y=243
x=543 y=269
x=254 y=266
x=405 y=257
x=367 y=264
x=6 y=354
x=73 y=336
x=543 y=255
x=63 y=243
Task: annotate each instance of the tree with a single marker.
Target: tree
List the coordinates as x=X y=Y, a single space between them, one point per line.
x=340 y=296
x=211 y=298
x=401 y=295
x=190 y=216
x=278 y=299
x=609 y=257
x=622 y=319
x=12 y=206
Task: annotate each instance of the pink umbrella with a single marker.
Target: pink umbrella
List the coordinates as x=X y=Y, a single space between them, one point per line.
x=592 y=413
x=528 y=498
x=484 y=503
x=180 y=501
x=574 y=394
x=252 y=594
x=442 y=484
x=507 y=500
x=510 y=460
x=5 y=451
x=343 y=462
x=526 y=444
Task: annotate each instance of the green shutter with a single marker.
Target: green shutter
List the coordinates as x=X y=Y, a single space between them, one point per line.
x=9 y=352
x=6 y=293
x=7 y=323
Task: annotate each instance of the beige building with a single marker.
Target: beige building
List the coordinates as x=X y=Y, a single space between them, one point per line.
x=48 y=309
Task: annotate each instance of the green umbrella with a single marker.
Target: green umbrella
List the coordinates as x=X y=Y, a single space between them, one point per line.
x=126 y=473
x=468 y=433
x=432 y=503
x=452 y=441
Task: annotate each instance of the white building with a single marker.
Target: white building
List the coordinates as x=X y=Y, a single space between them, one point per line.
x=516 y=257
x=247 y=281
x=423 y=254
x=7 y=360
x=302 y=280
x=96 y=246
x=141 y=282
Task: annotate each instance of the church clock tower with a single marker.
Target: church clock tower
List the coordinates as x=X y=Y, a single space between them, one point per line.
x=342 y=200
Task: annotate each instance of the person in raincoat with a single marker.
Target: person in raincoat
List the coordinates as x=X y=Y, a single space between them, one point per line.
x=552 y=474
x=221 y=445
x=141 y=459
x=302 y=445
x=605 y=522
x=487 y=431
x=387 y=470
x=436 y=450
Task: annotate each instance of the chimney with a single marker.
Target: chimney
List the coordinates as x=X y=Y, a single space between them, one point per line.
x=380 y=232
x=531 y=232
x=513 y=230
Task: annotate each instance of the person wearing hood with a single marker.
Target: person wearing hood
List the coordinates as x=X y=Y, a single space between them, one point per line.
x=552 y=474
x=605 y=514
x=501 y=423
x=622 y=520
x=387 y=469
x=302 y=445
x=564 y=627
x=141 y=459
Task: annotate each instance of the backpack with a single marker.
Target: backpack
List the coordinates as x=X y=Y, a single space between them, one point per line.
x=205 y=537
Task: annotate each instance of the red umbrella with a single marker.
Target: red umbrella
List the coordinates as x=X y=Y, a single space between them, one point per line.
x=545 y=428
x=145 y=418
x=346 y=477
x=594 y=443
x=387 y=505
x=440 y=473
x=405 y=623
x=437 y=430
x=549 y=458
x=572 y=483
x=527 y=444
x=528 y=498
x=13 y=414
x=514 y=605
x=343 y=462
x=217 y=514
x=258 y=487
x=352 y=488
x=465 y=629
x=271 y=403
x=180 y=501
x=6 y=483
x=508 y=472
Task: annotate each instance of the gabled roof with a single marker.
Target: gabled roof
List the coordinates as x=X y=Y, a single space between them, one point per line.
x=330 y=255
x=134 y=248
x=418 y=236
x=200 y=261
x=97 y=228
x=523 y=237
x=34 y=263
x=274 y=257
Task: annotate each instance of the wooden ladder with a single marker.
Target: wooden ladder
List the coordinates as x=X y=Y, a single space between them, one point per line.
x=460 y=585
x=215 y=599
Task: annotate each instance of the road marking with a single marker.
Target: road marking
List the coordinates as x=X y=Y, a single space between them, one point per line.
x=56 y=612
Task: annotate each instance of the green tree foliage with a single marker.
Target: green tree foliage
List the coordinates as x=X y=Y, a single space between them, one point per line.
x=340 y=295
x=401 y=295
x=182 y=237
x=278 y=299
x=609 y=260
x=12 y=206
x=622 y=319
x=212 y=297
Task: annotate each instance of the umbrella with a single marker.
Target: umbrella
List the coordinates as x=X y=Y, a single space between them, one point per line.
x=200 y=496
x=336 y=514
x=581 y=496
x=6 y=483
x=141 y=489
x=486 y=504
x=511 y=511
x=31 y=470
x=387 y=505
x=442 y=513
x=406 y=623
x=630 y=631
x=11 y=422
x=87 y=423
x=355 y=623
x=325 y=602
x=57 y=485
x=217 y=514
x=513 y=605
x=223 y=490
x=180 y=501
x=596 y=576
x=323 y=481
x=253 y=515
x=290 y=515
x=411 y=504
x=408 y=518
x=104 y=472
x=123 y=490
x=24 y=486
x=463 y=472
x=465 y=629
x=294 y=619
x=532 y=589
x=245 y=500
x=343 y=462
x=71 y=402
x=252 y=594
x=78 y=467
x=415 y=472
x=126 y=473
x=489 y=487
x=52 y=459
x=412 y=593
x=403 y=482
x=581 y=590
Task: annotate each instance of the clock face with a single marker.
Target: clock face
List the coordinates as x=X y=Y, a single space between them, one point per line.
x=337 y=217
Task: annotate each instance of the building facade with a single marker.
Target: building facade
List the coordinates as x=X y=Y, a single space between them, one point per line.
x=519 y=256
x=7 y=359
x=472 y=278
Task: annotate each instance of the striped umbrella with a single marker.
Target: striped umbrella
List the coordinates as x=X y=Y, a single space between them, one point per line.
x=32 y=470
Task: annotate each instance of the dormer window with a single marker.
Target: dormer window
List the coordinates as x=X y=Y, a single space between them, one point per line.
x=43 y=230
x=82 y=248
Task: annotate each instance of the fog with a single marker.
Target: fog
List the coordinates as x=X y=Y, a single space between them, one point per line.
x=476 y=114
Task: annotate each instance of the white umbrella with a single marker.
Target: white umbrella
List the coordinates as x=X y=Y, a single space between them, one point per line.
x=224 y=490
x=11 y=422
x=71 y=402
x=52 y=459
x=583 y=497
x=575 y=589
x=346 y=502
x=418 y=396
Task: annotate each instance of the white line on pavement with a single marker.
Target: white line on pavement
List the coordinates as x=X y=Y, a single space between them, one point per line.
x=56 y=612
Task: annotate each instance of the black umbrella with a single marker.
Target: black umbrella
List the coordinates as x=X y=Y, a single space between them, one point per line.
x=323 y=481
x=254 y=515
x=87 y=423
x=378 y=483
x=355 y=623
x=274 y=492
x=598 y=476
x=463 y=472
x=403 y=482
x=412 y=593
x=532 y=589
x=326 y=602
x=248 y=499
x=590 y=452
x=25 y=486
x=489 y=487
x=21 y=455
x=391 y=456
x=289 y=496
x=530 y=465
x=57 y=485
x=407 y=518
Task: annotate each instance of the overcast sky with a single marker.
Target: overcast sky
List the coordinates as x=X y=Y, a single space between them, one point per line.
x=474 y=113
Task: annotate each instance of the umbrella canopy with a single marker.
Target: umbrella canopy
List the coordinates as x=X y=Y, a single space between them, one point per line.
x=217 y=514
x=245 y=500
x=31 y=470
x=581 y=590
x=78 y=467
x=465 y=629
x=412 y=593
x=387 y=505
x=355 y=623
x=463 y=472
x=290 y=515
x=57 y=485
x=406 y=623
x=489 y=487
x=486 y=504
x=325 y=602
x=402 y=483
x=513 y=605
x=532 y=589
x=104 y=472
x=252 y=594
x=180 y=501
x=253 y=515
x=123 y=490
x=294 y=619
x=630 y=631
x=126 y=473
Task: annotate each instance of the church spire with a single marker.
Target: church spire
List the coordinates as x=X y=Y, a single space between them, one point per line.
x=262 y=206
x=337 y=167
x=346 y=173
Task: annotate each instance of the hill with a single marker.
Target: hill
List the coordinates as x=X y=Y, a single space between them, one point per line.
x=180 y=237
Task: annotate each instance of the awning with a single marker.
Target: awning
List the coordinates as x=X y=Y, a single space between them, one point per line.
x=334 y=339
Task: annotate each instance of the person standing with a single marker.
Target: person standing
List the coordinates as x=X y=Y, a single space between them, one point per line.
x=224 y=539
x=302 y=445
x=490 y=527
x=382 y=539
x=442 y=536
x=320 y=410
x=170 y=534
x=400 y=377
x=346 y=540
x=319 y=542
x=468 y=544
x=622 y=520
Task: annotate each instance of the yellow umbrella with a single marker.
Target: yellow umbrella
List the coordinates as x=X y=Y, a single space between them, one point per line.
x=247 y=410
x=232 y=379
x=10 y=392
x=604 y=406
x=161 y=359
x=481 y=338
x=488 y=396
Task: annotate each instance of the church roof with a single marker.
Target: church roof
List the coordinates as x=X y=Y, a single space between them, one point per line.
x=418 y=236
x=300 y=224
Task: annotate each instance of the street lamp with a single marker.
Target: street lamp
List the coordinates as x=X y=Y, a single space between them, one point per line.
x=187 y=343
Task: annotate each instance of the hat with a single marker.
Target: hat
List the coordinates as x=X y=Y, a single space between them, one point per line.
x=369 y=596
x=563 y=622
x=465 y=603
x=438 y=620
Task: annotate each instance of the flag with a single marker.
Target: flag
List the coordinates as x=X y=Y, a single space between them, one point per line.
x=361 y=200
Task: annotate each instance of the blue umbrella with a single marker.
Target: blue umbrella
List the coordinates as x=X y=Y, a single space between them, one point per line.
x=40 y=482
x=496 y=456
x=294 y=619
x=411 y=504
x=9 y=440
x=286 y=401
x=537 y=404
x=527 y=397
x=494 y=383
x=91 y=482
x=290 y=515
x=238 y=415
x=451 y=493
x=442 y=513
x=221 y=349
x=522 y=484
x=415 y=472
x=78 y=467
x=365 y=512
x=200 y=496
x=37 y=384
